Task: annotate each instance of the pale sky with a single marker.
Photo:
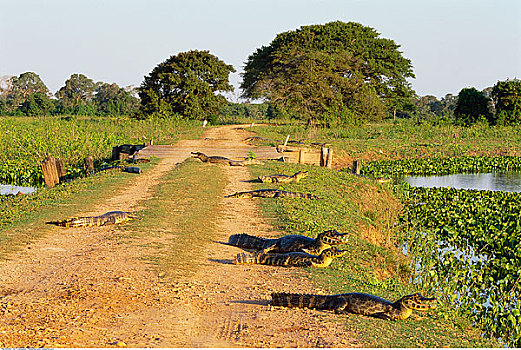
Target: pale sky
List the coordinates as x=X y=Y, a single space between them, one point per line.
x=452 y=43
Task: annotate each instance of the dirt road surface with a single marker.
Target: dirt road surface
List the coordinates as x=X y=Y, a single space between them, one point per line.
x=82 y=288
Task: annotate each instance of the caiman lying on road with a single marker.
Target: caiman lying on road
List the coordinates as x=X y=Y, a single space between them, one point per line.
x=290 y=259
x=271 y=193
x=112 y=217
x=357 y=303
x=290 y=243
x=223 y=160
x=278 y=178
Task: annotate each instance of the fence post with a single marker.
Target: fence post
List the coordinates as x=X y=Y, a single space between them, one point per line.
x=89 y=165
x=357 y=166
x=50 y=174
x=301 y=156
x=329 y=160
x=60 y=169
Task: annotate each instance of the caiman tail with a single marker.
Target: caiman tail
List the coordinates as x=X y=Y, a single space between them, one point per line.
x=312 y=301
x=244 y=240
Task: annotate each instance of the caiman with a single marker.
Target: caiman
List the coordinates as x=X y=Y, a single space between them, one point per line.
x=290 y=259
x=278 y=178
x=112 y=217
x=271 y=193
x=216 y=159
x=290 y=243
x=357 y=303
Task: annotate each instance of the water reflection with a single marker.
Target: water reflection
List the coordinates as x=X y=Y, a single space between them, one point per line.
x=9 y=189
x=508 y=181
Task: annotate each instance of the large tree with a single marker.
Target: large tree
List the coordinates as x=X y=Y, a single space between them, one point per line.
x=23 y=87
x=507 y=101
x=110 y=99
x=186 y=84
x=472 y=106
x=324 y=69
x=76 y=95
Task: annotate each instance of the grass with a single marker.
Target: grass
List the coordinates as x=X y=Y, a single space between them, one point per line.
x=184 y=210
x=22 y=219
x=373 y=265
x=403 y=138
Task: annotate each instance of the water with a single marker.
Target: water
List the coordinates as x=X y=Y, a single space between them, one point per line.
x=9 y=189
x=508 y=181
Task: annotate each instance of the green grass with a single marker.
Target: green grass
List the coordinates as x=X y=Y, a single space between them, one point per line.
x=26 y=141
x=373 y=265
x=404 y=138
x=22 y=218
x=184 y=210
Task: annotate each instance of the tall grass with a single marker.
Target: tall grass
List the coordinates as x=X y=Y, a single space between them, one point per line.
x=26 y=141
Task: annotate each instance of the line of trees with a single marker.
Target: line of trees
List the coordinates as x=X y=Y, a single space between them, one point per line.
x=329 y=74
x=26 y=94
x=496 y=105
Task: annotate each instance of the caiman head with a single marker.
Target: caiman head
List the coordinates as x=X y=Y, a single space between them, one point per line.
x=300 y=175
x=418 y=302
x=198 y=154
x=333 y=253
x=333 y=237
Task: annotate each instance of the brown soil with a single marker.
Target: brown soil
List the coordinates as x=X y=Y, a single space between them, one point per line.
x=79 y=287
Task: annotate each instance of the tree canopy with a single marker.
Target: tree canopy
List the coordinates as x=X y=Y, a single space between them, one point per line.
x=77 y=94
x=324 y=69
x=472 y=106
x=186 y=84
x=507 y=100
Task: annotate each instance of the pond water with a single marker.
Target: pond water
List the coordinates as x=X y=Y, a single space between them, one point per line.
x=9 y=189
x=507 y=181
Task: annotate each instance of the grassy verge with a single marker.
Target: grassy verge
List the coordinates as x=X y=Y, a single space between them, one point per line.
x=181 y=217
x=404 y=139
x=374 y=264
x=22 y=218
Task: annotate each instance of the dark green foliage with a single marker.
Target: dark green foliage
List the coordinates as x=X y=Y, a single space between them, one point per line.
x=441 y=166
x=110 y=99
x=186 y=85
x=429 y=105
x=465 y=244
x=37 y=104
x=76 y=96
x=472 y=106
x=318 y=70
x=507 y=99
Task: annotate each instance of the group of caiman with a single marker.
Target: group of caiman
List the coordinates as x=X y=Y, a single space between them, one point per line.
x=289 y=250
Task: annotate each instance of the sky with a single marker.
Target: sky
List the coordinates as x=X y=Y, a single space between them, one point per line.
x=452 y=44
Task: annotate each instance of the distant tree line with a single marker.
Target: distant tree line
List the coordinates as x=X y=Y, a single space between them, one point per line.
x=496 y=105
x=332 y=74
x=27 y=95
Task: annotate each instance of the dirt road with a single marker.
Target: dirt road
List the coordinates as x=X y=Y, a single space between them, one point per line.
x=82 y=288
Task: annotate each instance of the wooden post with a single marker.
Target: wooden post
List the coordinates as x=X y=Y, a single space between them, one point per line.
x=357 y=165
x=89 y=165
x=329 y=161
x=301 y=156
x=50 y=174
x=115 y=153
x=323 y=156
x=60 y=169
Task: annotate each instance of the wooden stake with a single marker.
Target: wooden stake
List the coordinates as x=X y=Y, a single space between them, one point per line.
x=50 y=174
x=89 y=165
x=357 y=166
x=329 y=161
x=301 y=156
x=60 y=169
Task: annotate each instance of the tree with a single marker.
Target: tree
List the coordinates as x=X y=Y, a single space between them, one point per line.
x=472 y=106
x=186 y=84
x=77 y=94
x=507 y=100
x=110 y=99
x=20 y=88
x=37 y=104
x=320 y=69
